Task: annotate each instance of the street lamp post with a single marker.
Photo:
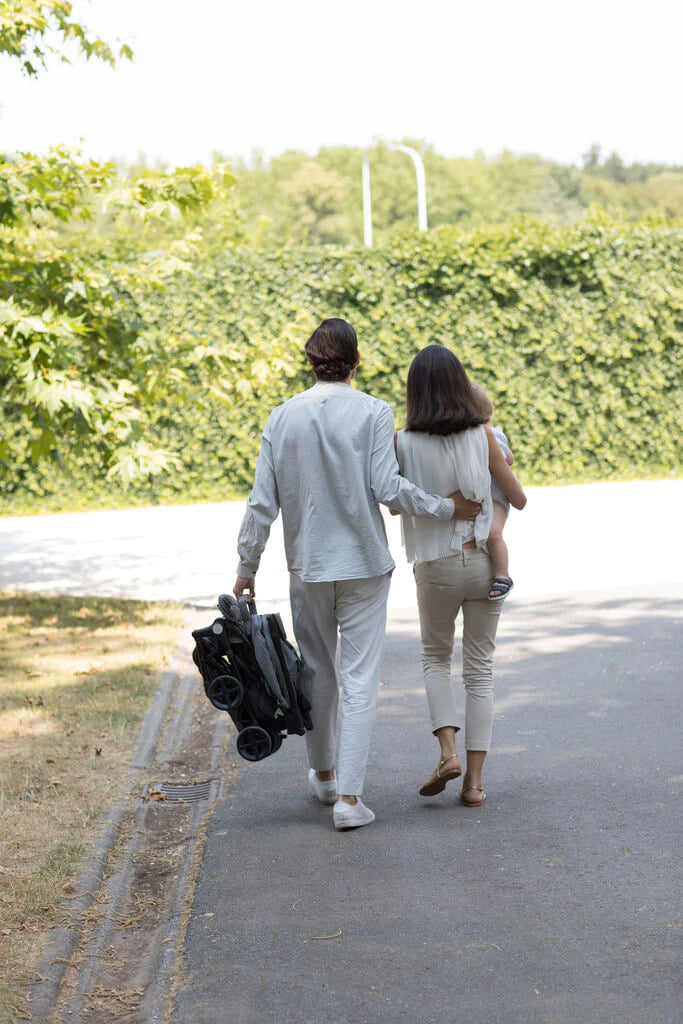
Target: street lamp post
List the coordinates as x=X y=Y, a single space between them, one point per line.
x=367 y=203
x=421 y=191
x=420 y=180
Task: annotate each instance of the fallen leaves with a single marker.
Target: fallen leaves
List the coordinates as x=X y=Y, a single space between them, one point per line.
x=154 y=794
x=39 y=702
x=142 y=910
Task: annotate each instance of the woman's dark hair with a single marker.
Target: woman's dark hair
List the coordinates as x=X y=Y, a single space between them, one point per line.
x=332 y=349
x=439 y=396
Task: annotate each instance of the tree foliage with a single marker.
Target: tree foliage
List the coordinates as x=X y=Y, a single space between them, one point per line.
x=297 y=198
x=74 y=357
x=149 y=320
x=75 y=362
x=574 y=331
x=32 y=29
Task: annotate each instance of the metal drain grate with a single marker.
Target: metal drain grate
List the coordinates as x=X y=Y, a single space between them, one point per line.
x=179 y=792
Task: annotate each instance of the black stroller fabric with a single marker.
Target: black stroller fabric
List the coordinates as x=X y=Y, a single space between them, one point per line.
x=250 y=670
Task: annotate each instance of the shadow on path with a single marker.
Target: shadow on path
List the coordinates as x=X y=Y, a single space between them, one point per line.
x=553 y=903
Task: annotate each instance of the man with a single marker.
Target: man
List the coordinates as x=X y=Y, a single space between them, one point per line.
x=327 y=459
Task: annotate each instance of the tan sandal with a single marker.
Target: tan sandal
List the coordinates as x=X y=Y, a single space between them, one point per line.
x=437 y=783
x=473 y=803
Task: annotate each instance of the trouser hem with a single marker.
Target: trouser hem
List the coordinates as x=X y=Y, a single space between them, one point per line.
x=446 y=724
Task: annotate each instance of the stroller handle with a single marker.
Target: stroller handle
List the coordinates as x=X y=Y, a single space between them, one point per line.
x=247 y=607
x=232 y=608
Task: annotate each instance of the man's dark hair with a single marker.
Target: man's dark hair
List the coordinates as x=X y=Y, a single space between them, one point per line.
x=332 y=349
x=439 y=396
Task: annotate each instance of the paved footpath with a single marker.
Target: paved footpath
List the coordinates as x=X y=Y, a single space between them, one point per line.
x=567 y=540
x=553 y=904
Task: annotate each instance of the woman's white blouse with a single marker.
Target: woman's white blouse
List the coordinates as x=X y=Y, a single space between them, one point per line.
x=441 y=465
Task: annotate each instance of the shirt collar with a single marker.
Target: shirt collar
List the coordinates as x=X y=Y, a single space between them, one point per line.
x=324 y=384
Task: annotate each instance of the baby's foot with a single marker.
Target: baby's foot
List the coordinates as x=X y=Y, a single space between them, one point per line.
x=500 y=588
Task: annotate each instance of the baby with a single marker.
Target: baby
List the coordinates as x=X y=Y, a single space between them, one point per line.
x=502 y=584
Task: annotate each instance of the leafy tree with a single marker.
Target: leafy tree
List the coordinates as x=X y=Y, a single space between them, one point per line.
x=591 y=158
x=26 y=27
x=283 y=201
x=317 y=195
x=574 y=331
x=74 y=361
x=72 y=358
x=614 y=168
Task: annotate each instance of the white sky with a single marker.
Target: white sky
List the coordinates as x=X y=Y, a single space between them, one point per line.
x=542 y=76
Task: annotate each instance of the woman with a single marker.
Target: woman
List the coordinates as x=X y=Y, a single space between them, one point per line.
x=444 y=447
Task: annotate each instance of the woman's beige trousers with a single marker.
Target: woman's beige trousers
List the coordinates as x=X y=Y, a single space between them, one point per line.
x=444 y=588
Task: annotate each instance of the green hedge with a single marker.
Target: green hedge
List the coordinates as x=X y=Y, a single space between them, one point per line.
x=574 y=332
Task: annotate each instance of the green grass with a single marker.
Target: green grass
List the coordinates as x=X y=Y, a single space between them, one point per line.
x=76 y=678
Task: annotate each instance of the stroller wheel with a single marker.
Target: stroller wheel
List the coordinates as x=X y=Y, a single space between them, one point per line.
x=225 y=693
x=276 y=739
x=254 y=743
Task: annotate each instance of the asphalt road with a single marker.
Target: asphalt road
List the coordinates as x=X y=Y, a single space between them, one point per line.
x=566 y=541
x=556 y=902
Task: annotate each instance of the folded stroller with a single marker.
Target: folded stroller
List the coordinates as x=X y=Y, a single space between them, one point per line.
x=251 y=671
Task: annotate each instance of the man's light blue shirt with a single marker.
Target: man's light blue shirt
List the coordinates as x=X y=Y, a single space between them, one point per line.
x=327 y=458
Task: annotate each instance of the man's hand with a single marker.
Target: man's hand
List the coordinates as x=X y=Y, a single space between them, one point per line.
x=243 y=584
x=464 y=508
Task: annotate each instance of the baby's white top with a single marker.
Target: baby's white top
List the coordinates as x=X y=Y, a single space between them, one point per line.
x=502 y=441
x=442 y=465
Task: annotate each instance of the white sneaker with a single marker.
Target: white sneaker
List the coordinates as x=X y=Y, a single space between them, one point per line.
x=326 y=792
x=351 y=815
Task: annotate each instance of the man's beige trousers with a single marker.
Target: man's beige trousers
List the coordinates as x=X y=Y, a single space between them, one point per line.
x=357 y=611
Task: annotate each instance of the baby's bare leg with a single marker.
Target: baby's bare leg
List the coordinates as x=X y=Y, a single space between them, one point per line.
x=498 y=549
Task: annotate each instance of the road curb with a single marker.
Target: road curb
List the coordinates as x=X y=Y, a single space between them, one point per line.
x=63 y=940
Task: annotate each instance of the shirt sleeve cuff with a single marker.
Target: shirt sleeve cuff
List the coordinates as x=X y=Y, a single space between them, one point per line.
x=447 y=508
x=247 y=570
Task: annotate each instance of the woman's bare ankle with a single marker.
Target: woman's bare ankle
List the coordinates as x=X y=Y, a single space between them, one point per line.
x=347 y=799
x=326 y=776
x=474 y=769
x=446 y=737
x=470 y=782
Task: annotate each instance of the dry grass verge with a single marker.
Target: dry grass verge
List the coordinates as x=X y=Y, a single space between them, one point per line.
x=76 y=677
